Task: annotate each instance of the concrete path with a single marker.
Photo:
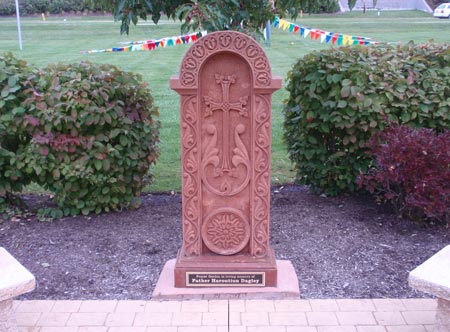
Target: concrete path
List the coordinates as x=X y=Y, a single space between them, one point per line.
x=342 y=315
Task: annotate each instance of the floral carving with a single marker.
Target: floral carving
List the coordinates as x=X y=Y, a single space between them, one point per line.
x=240 y=43
x=198 y=51
x=190 y=63
x=252 y=51
x=226 y=231
x=211 y=43
x=188 y=78
x=263 y=78
x=191 y=214
x=225 y=40
x=260 y=240
x=261 y=63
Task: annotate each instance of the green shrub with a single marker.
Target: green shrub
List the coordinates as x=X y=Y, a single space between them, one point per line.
x=14 y=75
x=94 y=136
x=85 y=132
x=340 y=97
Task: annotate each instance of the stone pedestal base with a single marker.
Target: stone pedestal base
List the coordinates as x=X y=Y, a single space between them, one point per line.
x=226 y=264
x=443 y=316
x=7 y=320
x=287 y=287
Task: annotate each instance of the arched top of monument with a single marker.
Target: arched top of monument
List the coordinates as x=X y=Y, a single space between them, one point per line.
x=221 y=42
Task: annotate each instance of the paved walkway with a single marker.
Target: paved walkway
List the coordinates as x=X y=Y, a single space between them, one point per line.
x=346 y=315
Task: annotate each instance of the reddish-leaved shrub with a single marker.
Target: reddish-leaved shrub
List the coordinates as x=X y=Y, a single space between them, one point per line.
x=412 y=171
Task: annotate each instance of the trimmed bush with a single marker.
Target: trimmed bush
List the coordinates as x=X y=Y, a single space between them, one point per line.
x=94 y=136
x=85 y=132
x=14 y=75
x=339 y=98
x=412 y=171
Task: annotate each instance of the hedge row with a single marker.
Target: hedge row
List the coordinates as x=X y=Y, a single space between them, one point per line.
x=339 y=98
x=32 y=7
x=85 y=132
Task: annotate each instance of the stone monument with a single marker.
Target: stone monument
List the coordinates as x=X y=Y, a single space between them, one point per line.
x=225 y=85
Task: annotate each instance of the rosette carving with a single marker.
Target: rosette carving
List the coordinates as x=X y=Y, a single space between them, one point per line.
x=226 y=231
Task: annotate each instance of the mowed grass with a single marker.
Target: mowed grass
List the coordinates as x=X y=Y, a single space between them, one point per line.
x=60 y=39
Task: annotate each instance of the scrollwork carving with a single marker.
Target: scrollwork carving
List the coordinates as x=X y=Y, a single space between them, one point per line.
x=260 y=240
x=191 y=215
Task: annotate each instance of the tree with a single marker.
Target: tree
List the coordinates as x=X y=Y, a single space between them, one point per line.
x=212 y=15
x=351 y=4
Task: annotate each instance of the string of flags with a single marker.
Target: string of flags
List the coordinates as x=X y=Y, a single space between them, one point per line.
x=151 y=44
x=324 y=36
x=314 y=34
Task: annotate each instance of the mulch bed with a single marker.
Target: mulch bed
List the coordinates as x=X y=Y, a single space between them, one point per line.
x=341 y=247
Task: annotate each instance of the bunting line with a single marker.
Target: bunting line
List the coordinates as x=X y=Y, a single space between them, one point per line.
x=321 y=35
x=151 y=44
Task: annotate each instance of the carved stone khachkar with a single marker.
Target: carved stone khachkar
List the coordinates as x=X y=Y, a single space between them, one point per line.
x=226 y=86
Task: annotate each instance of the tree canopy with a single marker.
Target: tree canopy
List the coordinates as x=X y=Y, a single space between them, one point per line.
x=212 y=15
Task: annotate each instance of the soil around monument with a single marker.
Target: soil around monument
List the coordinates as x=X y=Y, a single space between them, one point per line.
x=341 y=247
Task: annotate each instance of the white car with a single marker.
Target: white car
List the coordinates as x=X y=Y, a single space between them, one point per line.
x=442 y=11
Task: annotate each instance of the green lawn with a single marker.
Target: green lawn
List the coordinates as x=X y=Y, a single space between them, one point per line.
x=59 y=40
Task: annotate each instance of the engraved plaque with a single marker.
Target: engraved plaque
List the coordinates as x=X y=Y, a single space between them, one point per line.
x=225 y=279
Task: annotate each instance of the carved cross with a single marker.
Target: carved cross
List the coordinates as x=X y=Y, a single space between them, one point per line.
x=226 y=106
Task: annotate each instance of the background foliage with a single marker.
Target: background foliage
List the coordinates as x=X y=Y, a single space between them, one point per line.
x=37 y=7
x=339 y=98
x=244 y=15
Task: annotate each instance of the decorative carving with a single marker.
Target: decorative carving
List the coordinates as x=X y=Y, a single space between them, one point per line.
x=225 y=40
x=190 y=63
x=198 y=51
x=211 y=43
x=261 y=63
x=188 y=78
x=239 y=43
x=239 y=155
x=252 y=51
x=191 y=214
x=263 y=78
x=226 y=231
x=260 y=240
x=229 y=42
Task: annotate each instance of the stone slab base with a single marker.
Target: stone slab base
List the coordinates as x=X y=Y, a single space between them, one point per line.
x=288 y=287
